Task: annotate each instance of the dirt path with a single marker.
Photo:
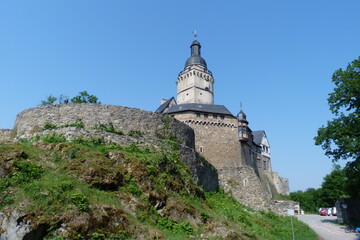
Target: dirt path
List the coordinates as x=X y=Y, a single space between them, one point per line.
x=326 y=227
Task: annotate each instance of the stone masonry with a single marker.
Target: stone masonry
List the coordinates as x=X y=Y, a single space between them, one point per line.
x=31 y=122
x=214 y=139
x=5 y=135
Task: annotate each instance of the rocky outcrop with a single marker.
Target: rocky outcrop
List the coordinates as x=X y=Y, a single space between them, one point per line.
x=13 y=226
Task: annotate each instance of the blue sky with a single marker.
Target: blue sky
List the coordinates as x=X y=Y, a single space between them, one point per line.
x=276 y=57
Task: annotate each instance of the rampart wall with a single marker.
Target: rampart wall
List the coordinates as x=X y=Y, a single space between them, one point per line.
x=281 y=184
x=216 y=140
x=5 y=135
x=244 y=185
x=151 y=127
x=122 y=118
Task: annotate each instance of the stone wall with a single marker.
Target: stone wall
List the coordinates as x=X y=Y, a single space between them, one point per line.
x=123 y=118
x=281 y=184
x=282 y=206
x=5 y=135
x=151 y=125
x=244 y=185
x=215 y=139
x=352 y=211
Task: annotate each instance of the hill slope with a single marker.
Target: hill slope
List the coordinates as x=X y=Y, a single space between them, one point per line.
x=51 y=188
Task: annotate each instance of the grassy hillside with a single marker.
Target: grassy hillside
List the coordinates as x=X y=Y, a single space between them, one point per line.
x=85 y=189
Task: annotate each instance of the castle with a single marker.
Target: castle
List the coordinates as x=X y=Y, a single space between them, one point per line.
x=226 y=141
x=219 y=148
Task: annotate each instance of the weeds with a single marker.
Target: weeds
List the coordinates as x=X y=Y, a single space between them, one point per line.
x=135 y=133
x=109 y=127
x=78 y=124
x=169 y=224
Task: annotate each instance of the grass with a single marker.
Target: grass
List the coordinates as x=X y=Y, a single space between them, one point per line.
x=119 y=192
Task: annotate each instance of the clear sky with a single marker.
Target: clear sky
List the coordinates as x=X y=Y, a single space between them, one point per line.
x=276 y=57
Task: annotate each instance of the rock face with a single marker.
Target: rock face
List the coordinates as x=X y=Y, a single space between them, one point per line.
x=137 y=126
x=15 y=227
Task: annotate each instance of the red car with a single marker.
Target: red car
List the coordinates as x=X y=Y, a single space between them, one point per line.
x=323 y=212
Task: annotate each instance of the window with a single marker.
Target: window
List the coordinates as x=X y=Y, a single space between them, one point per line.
x=198 y=115
x=215 y=116
x=206 y=115
x=222 y=117
x=265 y=167
x=201 y=149
x=245 y=182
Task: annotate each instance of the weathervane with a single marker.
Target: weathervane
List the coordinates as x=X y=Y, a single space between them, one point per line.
x=195 y=34
x=240 y=105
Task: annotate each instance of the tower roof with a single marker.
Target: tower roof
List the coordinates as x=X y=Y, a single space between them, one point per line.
x=195 y=58
x=199 y=107
x=241 y=116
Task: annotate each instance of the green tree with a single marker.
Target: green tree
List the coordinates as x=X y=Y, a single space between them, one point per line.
x=352 y=172
x=50 y=100
x=333 y=187
x=309 y=199
x=341 y=137
x=84 y=97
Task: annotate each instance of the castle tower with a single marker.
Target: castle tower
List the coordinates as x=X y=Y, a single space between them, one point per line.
x=195 y=84
x=243 y=126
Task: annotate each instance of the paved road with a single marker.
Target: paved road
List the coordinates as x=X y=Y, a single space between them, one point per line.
x=326 y=227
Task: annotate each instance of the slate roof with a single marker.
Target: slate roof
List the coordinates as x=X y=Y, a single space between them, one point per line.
x=164 y=105
x=196 y=107
x=258 y=135
x=195 y=58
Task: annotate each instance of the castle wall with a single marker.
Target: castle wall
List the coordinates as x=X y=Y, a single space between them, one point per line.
x=215 y=139
x=123 y=118
x=244 y=185
x=5 y=135
x=31 y=123
x=281 y=184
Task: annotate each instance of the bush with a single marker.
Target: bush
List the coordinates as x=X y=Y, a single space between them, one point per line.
x=53 y=138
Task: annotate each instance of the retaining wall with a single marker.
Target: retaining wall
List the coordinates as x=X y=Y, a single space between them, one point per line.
x=151 y=125
x=5 y=135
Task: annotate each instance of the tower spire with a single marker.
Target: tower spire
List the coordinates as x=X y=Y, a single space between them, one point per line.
x=195 y=34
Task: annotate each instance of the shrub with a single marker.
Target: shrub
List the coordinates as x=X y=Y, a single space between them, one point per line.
x=135 y=133
x=108 y=128
x=53 y=138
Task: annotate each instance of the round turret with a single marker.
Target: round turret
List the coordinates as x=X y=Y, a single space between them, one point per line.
x=242 y=117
